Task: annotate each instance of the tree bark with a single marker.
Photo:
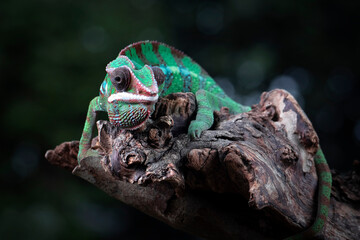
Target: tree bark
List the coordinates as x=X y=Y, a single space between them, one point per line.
x=251 y=176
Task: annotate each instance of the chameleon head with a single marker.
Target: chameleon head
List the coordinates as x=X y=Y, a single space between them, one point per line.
x=133 y=92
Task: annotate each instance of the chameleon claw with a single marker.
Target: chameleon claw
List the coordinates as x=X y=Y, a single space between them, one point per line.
x=198 y=133
x=195 y=129
x=194 y=135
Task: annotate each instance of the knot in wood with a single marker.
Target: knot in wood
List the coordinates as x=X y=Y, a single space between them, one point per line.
x=272 y=112
x=220 y=116
x=134 y=157
x=160 y=134
x=288 y=155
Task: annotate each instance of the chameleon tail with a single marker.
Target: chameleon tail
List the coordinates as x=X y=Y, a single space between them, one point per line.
x=324 y=183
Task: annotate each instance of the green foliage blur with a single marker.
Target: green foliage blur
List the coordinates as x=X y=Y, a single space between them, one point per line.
x=52 y=60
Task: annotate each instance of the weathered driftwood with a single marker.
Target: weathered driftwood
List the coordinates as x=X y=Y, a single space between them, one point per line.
x=251 y=176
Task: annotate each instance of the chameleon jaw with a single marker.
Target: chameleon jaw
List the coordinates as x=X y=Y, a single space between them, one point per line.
x=119 y=124
x=132 y=98
x=129 y=116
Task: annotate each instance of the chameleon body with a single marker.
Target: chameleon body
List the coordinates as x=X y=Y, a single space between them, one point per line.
x=145 y=71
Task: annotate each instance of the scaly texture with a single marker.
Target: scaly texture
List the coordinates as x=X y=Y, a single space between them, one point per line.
x=133 y=85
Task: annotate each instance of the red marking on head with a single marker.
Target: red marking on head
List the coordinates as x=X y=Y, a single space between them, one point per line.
x=155 y=46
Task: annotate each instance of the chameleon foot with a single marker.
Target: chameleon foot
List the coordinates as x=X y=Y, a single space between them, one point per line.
x=196 y=128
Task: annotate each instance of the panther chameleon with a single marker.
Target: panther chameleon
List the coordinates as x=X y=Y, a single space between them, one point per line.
x=147 y=70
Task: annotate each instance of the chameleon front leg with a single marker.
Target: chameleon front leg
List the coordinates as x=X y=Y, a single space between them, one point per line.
x=207 y=103
x=85 y=142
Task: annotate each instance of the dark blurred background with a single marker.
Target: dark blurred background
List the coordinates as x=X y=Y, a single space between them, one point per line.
x=52 y=60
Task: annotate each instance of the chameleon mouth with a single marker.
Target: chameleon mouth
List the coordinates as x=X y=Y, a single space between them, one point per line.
x=132 y=98
x=130 y=117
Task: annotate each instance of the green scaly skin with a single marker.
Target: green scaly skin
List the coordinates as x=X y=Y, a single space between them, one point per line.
x=147 y=70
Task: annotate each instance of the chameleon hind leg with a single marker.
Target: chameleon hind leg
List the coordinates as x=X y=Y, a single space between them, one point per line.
x=87 y=135
x=207 y=103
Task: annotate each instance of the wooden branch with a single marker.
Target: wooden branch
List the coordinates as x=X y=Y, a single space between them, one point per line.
x=251 y=176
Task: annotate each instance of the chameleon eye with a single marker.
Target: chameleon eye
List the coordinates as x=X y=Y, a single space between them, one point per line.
x=120 y=78
x=159 y=75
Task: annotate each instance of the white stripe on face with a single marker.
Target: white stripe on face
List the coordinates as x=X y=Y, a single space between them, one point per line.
x=132 y=98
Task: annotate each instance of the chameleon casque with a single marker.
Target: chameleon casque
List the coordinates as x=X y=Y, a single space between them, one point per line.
x=147 y=70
